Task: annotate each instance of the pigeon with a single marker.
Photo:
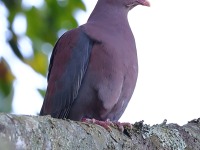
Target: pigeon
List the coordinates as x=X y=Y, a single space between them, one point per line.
x=94 y=68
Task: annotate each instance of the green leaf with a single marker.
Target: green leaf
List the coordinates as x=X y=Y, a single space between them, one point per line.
x=6 y=86
x=42 y=92
x=39 y=63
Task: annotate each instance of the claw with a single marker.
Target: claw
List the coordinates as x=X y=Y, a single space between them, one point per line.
x=106 y=124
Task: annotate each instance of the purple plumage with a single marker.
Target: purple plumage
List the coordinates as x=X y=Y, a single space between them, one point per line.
x=93 y=68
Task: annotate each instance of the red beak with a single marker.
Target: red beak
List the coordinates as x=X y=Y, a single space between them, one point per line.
x=144 y=2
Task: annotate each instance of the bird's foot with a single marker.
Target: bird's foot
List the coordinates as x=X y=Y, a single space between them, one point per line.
x=106 y=124
x=122 y=125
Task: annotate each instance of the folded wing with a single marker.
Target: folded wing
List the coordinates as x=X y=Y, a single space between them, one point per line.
x=68 y=64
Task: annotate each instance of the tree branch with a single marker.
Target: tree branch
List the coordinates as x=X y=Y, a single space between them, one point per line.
x=35 y=132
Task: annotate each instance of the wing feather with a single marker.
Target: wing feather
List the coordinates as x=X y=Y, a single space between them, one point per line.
x=68 y=64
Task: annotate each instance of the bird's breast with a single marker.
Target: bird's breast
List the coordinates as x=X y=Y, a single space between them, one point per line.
x=113 y=68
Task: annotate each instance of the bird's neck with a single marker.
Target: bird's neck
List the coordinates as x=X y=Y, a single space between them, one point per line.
x=107 y=14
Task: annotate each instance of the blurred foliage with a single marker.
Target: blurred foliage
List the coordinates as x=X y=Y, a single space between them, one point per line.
x=6 y=79
x=44 y=23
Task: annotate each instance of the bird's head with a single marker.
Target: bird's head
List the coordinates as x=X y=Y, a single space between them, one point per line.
x=132 y=3
x=105 y=9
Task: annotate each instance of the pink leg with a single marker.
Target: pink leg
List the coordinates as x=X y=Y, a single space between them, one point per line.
x=104 y=124
x=122 y=125
x=108 y=123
